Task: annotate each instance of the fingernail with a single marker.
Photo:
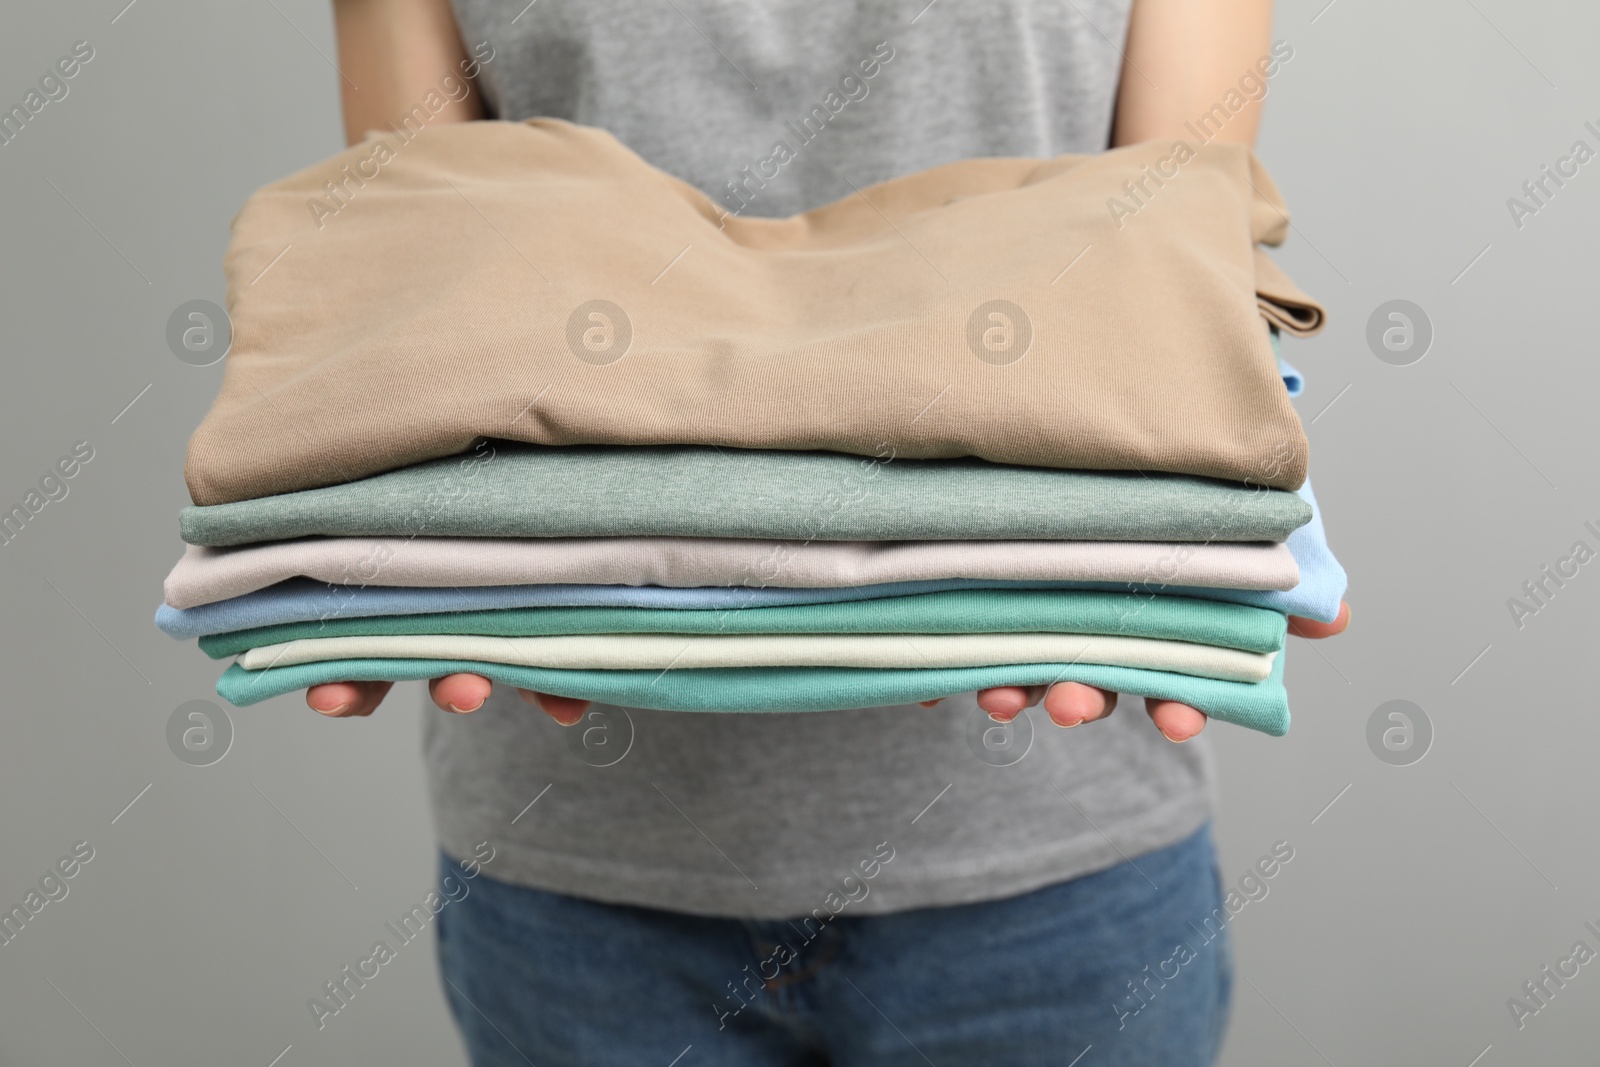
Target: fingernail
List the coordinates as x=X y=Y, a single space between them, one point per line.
x=339 y=709
x=1174 y=740
x=1069 y=725
x=464 y=711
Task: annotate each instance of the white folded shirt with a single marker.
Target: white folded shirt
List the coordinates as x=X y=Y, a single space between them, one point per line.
x=684 y=652
x=206 y=575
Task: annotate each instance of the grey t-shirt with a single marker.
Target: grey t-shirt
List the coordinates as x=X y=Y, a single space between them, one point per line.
x=767 y=815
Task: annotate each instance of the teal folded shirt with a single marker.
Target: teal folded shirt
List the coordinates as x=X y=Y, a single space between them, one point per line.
x=1262 y=706
x=515 y=490
x=967 y=611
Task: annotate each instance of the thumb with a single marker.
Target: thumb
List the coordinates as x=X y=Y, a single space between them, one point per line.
x=1311 y=628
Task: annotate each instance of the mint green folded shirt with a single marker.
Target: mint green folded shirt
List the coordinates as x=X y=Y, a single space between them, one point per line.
x=979 y=611
x=514 y=490
x=1260 y=705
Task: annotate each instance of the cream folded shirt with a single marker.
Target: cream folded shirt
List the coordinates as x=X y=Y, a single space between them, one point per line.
x=679 y=652
x=540 y=282
x=206 y=575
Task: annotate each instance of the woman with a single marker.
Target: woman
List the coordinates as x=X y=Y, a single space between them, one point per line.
x=705 y=897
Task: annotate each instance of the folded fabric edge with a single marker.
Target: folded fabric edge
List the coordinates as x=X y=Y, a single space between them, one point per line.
x=1283 y=303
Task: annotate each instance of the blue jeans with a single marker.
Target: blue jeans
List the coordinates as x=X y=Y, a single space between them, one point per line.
x=541 y=978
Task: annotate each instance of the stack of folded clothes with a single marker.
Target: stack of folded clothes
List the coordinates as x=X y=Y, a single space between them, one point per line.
x=530 y=409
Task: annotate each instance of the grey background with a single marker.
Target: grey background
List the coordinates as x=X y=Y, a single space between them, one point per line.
x=1416 y=904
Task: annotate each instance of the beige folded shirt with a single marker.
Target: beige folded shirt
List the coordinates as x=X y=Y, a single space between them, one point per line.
x=396 y=301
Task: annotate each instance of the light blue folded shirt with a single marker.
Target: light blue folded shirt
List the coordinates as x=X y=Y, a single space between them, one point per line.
x=1292 y=379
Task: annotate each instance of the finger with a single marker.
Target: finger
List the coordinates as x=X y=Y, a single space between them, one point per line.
x=460 y=693
x=376 y=691
x=565 y=710
x=339 y=700
x=1311 y=628
x=335 y=698
x=1073 y=703
x=1004 y=703
x=1177 y=722
x=928 y=703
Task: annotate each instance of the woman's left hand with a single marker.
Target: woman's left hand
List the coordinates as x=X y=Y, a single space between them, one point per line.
x=1073 y=703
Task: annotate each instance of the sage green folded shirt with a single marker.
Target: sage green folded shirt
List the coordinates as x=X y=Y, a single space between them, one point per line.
x=513 y=490
x=963 y=611
x=1260 y=705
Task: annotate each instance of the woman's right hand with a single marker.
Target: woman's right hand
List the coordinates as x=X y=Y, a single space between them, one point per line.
x=458 y=694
